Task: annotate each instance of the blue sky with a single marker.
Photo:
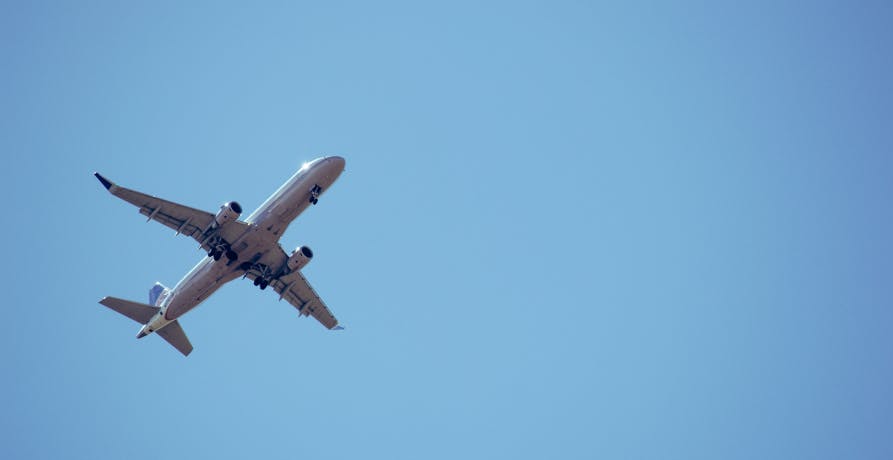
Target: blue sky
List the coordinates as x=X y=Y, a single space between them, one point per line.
x=566 y=229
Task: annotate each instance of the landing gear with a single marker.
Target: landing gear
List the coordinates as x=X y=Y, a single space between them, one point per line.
x=229 y=253
x=314 y=194
x=219 y=247
x=263 y=274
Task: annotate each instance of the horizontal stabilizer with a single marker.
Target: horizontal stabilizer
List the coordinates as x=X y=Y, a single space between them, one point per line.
x=175 y=336
x=136 y=311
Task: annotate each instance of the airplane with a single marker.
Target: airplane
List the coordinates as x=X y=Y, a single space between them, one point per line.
x=235 y=248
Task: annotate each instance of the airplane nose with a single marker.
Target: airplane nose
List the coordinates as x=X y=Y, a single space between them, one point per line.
x=337 y=162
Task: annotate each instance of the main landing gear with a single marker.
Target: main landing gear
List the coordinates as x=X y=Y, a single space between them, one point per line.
x=219 y=248
x=218 y=253
x=314 y=194
x=262 y=274
x=260 y=282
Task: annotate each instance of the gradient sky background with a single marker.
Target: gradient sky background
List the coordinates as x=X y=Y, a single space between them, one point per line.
x=566 y=230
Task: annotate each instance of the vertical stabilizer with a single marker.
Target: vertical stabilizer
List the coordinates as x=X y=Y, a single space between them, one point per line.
x=157 y=294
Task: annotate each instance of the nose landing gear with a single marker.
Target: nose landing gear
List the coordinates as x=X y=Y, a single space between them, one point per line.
x=314 y=194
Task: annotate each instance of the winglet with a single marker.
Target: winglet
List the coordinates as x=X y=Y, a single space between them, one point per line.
x=338 y=328
x=105 y=182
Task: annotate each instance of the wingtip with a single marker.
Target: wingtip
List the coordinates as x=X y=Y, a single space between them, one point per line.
x=338 y=328
x=105 y=182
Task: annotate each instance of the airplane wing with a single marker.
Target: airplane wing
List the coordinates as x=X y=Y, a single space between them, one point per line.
x=295 y=289
x=185 y=220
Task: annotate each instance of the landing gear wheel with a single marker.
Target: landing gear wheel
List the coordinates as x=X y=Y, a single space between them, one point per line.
x=231 y=255
x=256 y=281
x=216 y=255
x=314 y=200
x=263 y=285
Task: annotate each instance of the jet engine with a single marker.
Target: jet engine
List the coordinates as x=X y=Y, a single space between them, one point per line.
x=299 y=258
x=228 y=212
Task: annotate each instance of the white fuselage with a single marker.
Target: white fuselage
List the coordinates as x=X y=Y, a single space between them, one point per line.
x=265 y=226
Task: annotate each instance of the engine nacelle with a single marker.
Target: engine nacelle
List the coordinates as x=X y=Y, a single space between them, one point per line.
x=299 y=258
x=228 y=212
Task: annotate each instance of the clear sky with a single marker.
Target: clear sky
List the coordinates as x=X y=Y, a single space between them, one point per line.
x=573 y=230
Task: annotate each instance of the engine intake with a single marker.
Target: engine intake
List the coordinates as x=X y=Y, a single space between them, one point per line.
x=229 y=212
x=299 y=258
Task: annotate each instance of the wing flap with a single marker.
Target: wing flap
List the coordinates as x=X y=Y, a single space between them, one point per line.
x=182 y=221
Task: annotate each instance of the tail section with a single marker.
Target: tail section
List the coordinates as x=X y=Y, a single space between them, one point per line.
x=136 y=311
x=171 y=332
x=174 y=335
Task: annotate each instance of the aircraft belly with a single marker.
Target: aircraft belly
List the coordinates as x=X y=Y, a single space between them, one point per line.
x=198 y=286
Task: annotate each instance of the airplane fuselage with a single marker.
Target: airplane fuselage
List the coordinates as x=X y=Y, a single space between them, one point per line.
x=257 y=246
